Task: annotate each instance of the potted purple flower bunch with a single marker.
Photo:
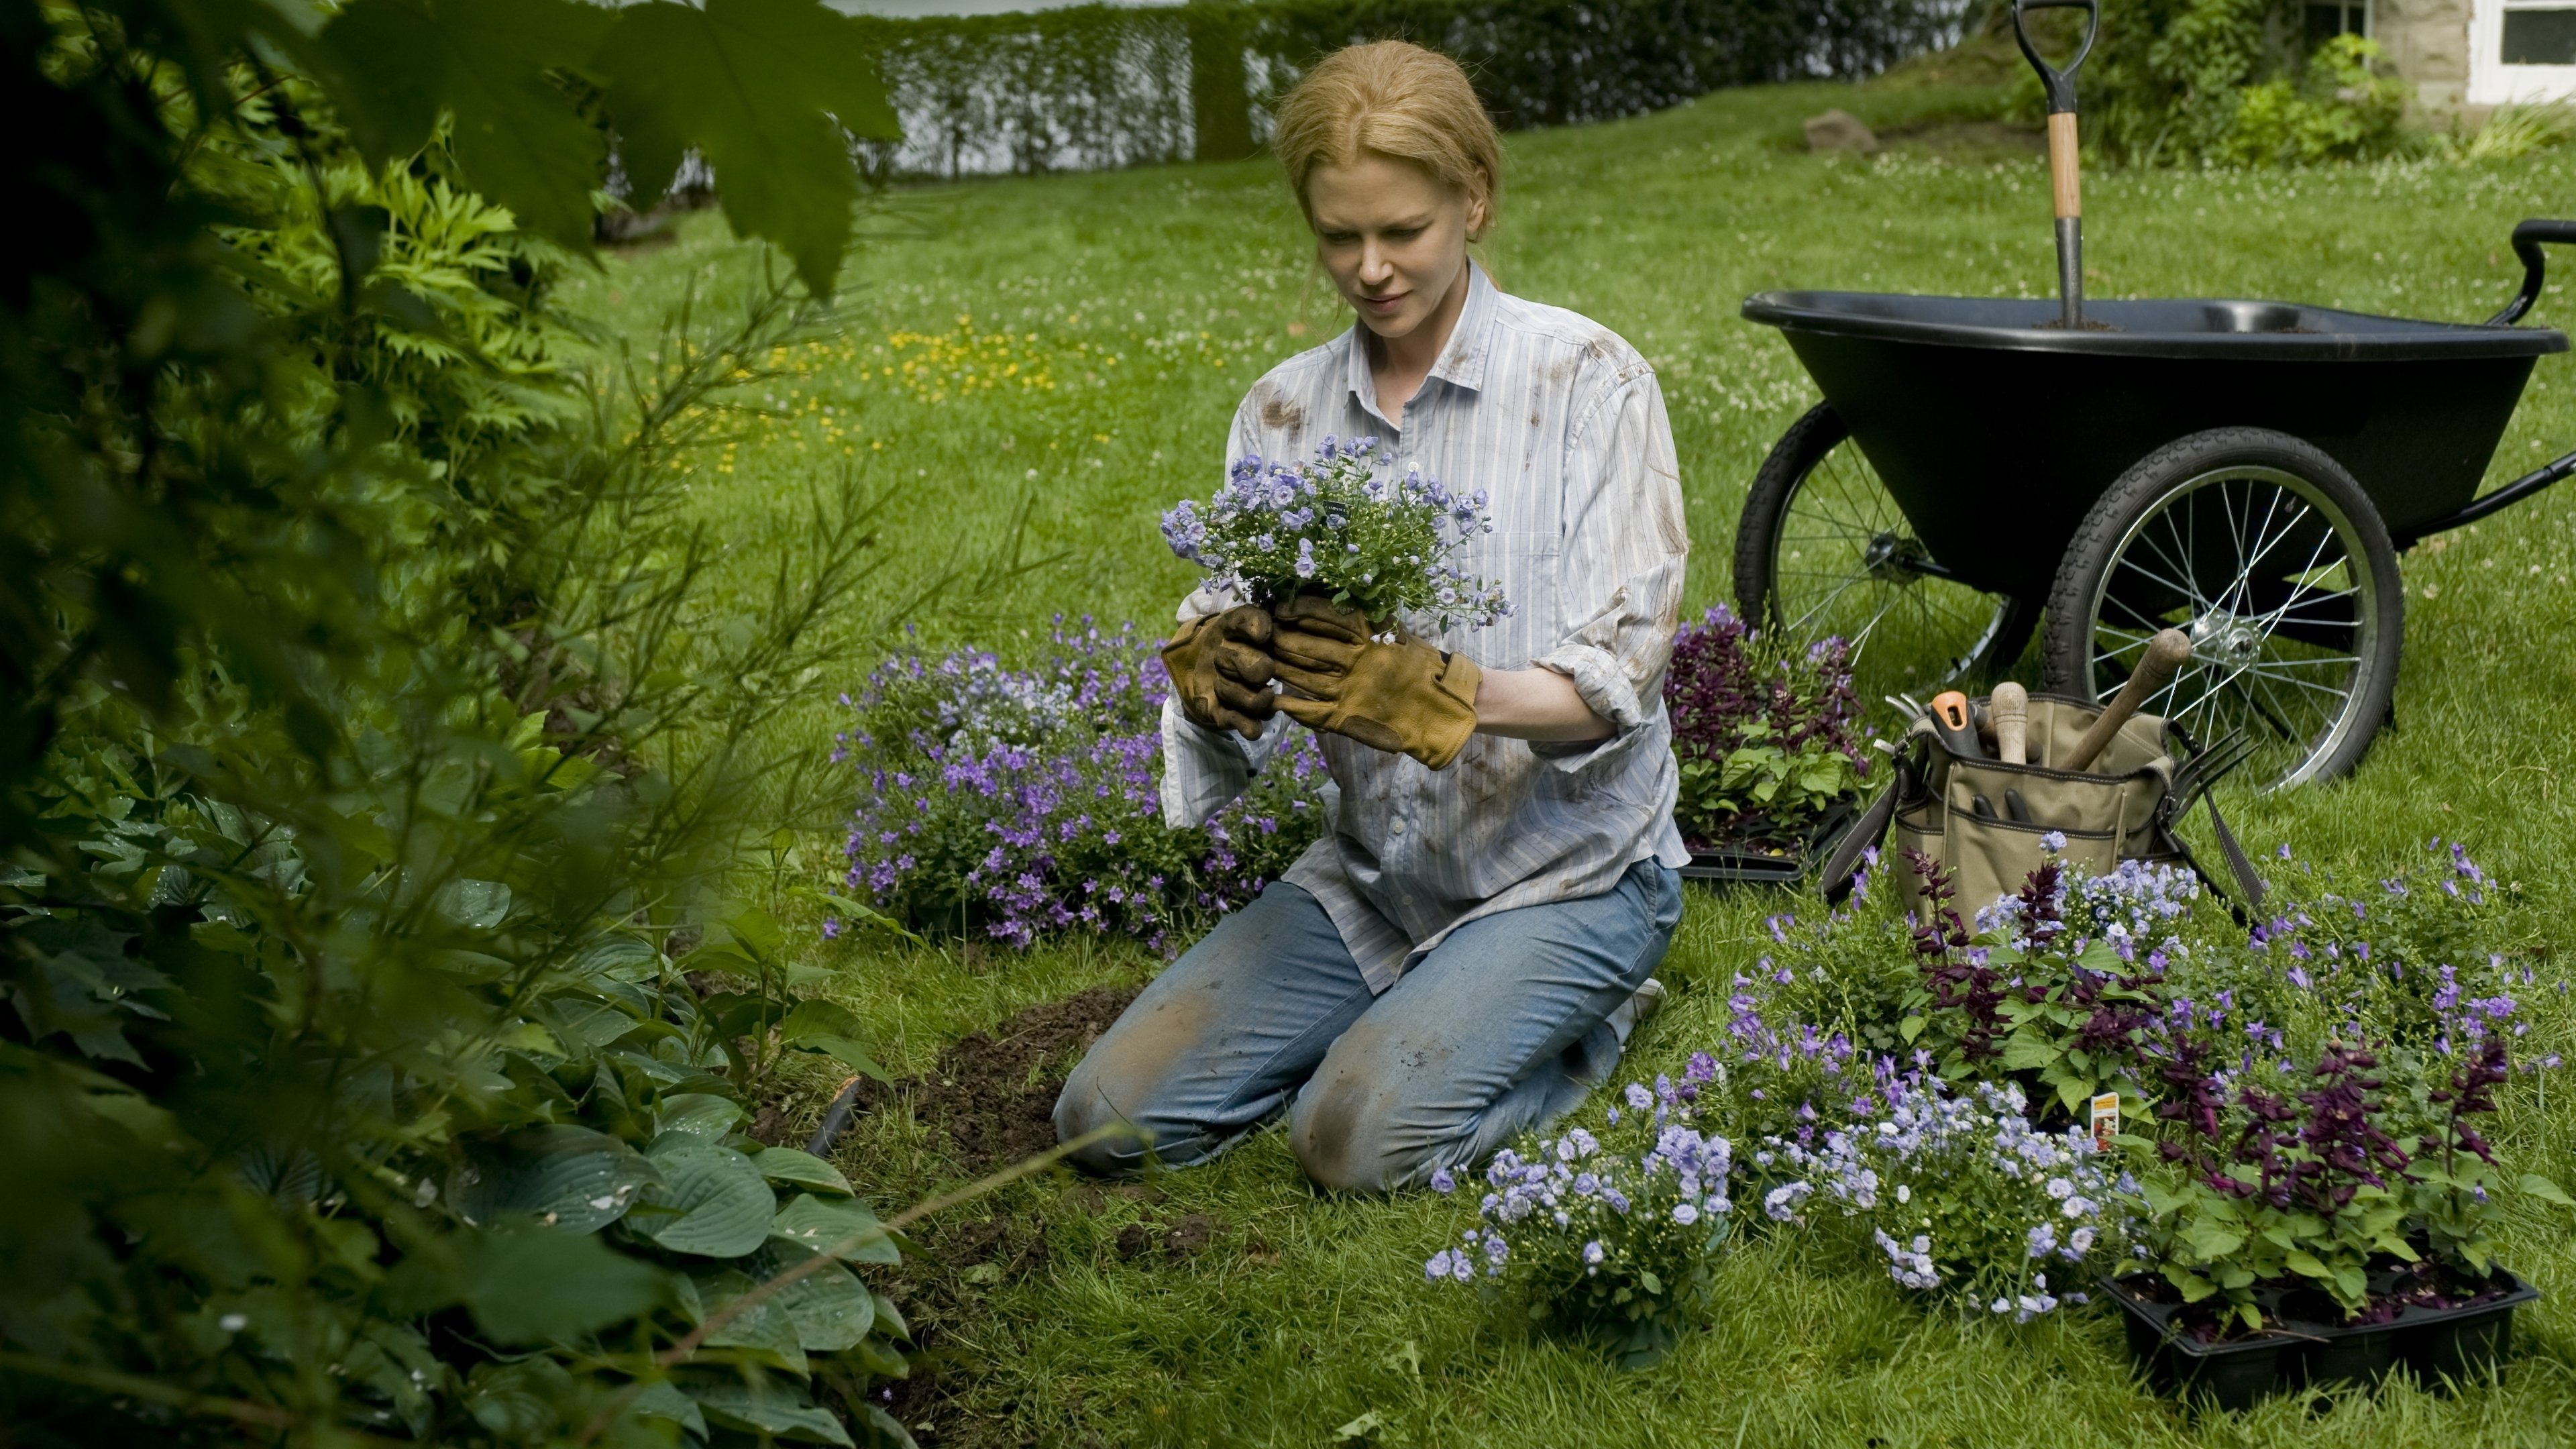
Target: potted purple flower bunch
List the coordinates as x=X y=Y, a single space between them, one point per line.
x=1770 y=745
x=1336 y=527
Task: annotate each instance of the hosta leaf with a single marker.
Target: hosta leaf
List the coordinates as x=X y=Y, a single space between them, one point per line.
x=839 y=1226
x=787 y=1164
x=831 y=1309
x=662 y=1401
x=697 y=1114
x=767 y=1407
x=747 y=82
x=714 y=1202
x=540 y=1287
x=763 y=1327
x=517 y=137
x=568 y=1178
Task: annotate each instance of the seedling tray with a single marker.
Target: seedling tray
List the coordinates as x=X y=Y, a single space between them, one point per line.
x=1768 y=865
x=2438 y=1344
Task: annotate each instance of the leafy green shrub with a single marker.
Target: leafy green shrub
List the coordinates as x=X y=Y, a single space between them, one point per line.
x=2341 y=108
x=380 y=1034
x=2191 y=82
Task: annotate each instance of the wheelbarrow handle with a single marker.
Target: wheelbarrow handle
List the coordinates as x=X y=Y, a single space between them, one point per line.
x=2526 y=244
x=2058 y=83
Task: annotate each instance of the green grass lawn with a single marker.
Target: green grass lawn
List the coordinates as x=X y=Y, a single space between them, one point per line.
x=1080 y=343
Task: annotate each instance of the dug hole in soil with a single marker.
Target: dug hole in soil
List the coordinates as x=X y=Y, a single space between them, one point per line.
x=992 y=1094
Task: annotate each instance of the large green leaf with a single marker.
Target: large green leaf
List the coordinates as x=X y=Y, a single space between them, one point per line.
x=804 y=1169
x=568 y=1178
x=538 y=1287
x=697 y=1114
x=831 y=1308
x=748 y=83
x=839 y=1226
x=483 y=62
x=766 y=1407
x=714 y=1203
x=764 y=1328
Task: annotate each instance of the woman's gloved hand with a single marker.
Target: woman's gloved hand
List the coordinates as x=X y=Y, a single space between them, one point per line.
x=1221 y=669
x=1402 y=697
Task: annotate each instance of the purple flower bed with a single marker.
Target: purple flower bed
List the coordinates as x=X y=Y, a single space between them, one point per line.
x=1005 y=803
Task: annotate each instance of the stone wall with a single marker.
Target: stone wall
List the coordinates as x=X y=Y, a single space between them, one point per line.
x=2428 y=43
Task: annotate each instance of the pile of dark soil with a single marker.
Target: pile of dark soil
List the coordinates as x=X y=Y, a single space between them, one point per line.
x=995 y=1090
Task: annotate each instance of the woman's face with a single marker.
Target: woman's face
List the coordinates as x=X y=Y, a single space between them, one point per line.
x=1394 y=237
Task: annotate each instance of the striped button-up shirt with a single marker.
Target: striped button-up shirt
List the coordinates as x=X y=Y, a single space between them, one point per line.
x=1563 y=423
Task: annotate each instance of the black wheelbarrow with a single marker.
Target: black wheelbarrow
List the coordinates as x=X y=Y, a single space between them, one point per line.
x=2244 y=471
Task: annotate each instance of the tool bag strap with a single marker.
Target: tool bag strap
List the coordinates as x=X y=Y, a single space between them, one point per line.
x=1867 y=833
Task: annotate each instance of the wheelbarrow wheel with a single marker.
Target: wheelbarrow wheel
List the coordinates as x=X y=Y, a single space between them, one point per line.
x=2268 y=554
x=1822 y=550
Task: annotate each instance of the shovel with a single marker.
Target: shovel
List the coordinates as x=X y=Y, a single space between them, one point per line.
x=2063 y=172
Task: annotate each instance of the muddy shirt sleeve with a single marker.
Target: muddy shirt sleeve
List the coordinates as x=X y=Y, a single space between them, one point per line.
x=1626 y=546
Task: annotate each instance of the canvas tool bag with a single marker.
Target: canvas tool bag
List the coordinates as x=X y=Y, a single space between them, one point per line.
x=2124 y=807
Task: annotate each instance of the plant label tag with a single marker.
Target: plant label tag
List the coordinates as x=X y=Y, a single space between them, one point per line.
x=2106 y=1120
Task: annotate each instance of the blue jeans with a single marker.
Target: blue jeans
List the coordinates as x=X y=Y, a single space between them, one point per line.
x=1500 y=1029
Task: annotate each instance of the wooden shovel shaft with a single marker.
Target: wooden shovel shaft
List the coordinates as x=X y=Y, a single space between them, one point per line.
x=2065 y=184
x=2165 y=654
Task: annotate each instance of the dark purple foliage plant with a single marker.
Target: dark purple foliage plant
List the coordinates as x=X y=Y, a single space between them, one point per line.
x=1768 y=737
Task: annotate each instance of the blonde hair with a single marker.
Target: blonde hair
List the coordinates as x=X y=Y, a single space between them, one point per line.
x=1398 y=100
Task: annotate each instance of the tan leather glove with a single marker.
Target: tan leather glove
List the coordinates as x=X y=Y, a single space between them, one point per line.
x=1220 y=667
x=1403 y=697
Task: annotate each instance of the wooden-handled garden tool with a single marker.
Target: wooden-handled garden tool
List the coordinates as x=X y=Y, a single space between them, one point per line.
x=2165 y=654
x=2064 y=175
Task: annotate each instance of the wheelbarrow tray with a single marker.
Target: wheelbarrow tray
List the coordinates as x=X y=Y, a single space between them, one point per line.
x=1994 y=433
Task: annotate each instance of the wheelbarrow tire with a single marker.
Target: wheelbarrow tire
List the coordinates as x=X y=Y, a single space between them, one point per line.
x=2268 y=553
x=1995 y=637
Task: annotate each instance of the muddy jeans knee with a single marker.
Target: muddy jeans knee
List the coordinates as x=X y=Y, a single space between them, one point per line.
x=1212 y=1048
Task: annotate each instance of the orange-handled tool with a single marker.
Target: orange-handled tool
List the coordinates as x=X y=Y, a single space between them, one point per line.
x=1956 y=724
x=2165 y=654
x=2065 y=185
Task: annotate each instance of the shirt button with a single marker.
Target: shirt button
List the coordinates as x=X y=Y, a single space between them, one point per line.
x=1397 y=827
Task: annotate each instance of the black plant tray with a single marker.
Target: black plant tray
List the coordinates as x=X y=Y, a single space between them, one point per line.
x=2458 y=1344
x=1774 y=865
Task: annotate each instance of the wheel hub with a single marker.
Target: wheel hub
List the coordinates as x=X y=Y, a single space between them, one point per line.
x=2223 y=637
x=1893 y=558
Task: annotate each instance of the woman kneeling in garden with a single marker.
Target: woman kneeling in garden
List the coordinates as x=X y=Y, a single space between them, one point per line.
x=1460 y=958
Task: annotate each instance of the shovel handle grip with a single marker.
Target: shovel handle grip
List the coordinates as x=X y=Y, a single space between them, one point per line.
x=2057 y=81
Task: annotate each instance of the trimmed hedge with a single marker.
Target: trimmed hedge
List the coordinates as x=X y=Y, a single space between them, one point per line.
x=1098 y=86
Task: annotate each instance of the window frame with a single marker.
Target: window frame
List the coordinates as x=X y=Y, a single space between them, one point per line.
x=2494 y=83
